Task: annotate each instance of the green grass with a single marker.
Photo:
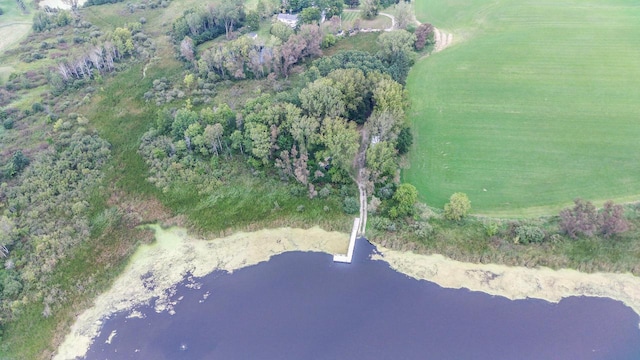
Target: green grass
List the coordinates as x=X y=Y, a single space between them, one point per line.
x=350 y=17
x=536 y=104
x=363 y=42
x=14 y=24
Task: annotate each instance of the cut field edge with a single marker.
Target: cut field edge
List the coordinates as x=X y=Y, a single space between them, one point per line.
x=550 y=210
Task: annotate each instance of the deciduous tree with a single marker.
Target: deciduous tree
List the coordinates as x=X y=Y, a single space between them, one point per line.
x=342 y=141
x=404 y=14
x=404 y=199
x=321 y=99
x=457 y=207
x=370 y=8
x=423 y=33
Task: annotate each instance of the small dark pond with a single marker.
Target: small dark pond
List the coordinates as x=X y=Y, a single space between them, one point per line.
x=305 y=306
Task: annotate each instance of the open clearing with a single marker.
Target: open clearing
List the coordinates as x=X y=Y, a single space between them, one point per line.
x=14 y=24
x=535 y=104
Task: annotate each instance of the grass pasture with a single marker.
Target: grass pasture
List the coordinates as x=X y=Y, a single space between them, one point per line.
x=349 y=18
x=534 y=105
x=14 y=24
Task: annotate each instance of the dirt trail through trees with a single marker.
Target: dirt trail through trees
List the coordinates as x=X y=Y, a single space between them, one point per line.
x=362 y=178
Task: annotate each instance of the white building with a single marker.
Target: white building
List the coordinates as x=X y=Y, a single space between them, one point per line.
x=289 y=19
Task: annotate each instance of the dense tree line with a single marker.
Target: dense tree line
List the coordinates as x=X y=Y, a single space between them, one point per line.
x=101 y=57
x=243 y=58
x=46 y=20
x=310 y=137
x=101 y=2
x=203 y=24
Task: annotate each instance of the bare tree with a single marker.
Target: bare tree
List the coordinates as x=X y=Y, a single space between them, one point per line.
x=187 y=49
x=404 y=14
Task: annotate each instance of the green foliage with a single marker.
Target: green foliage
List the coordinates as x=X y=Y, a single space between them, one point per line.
x=328 y=41
x=101 y=2
x=341 y=140
x=183 y=118
x=333 y=8
x=370 y=8
x=381 y=223
x=529 y=234
x=351 y=59
x=404 y=200
x=351 y=205
x=491 y=228
x=202 y=24
x=7 y=123
x=457 y=207
x=10 y=284
x=322 y=99
x=310 y=15
x=252 y=20
x=48 y=208
x=37 y=107
x=43 y=21
x=396 y=50
x=381 y=161
x=281 y=31
x=405 y=140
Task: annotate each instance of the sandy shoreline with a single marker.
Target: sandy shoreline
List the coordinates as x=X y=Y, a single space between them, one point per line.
x=156 y=269
x=161 y=266
x=514 y=282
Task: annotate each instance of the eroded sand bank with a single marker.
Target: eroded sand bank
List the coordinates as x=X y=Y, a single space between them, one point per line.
x=514 y=282
x=156 y=269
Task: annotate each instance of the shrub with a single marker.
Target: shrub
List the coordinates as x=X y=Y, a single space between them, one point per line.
x=404 y=198
x=328 y=41
x=423 y=33
x=405 y=140
x=386 y=192
x=8 y=123
x=491 y=228
x=351 y=205
x=528 y=234
x=582 y=219
x=325 y=191
x=458 y=207
x=422 y=229
x=383 y=224
x=611 y=220
x=37 y=107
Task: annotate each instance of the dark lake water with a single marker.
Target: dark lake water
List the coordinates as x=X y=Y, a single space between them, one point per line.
x=305 y=306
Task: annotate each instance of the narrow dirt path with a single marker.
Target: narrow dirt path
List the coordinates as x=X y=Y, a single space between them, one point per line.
x=361 y=179
x=393 y=21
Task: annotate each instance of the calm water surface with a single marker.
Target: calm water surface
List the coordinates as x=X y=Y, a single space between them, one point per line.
x=305 y=306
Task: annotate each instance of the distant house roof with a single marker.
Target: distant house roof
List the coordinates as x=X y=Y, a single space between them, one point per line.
x=289 y=19
x=252 y=35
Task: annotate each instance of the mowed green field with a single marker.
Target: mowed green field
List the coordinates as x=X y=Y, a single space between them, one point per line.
x=535 y=104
